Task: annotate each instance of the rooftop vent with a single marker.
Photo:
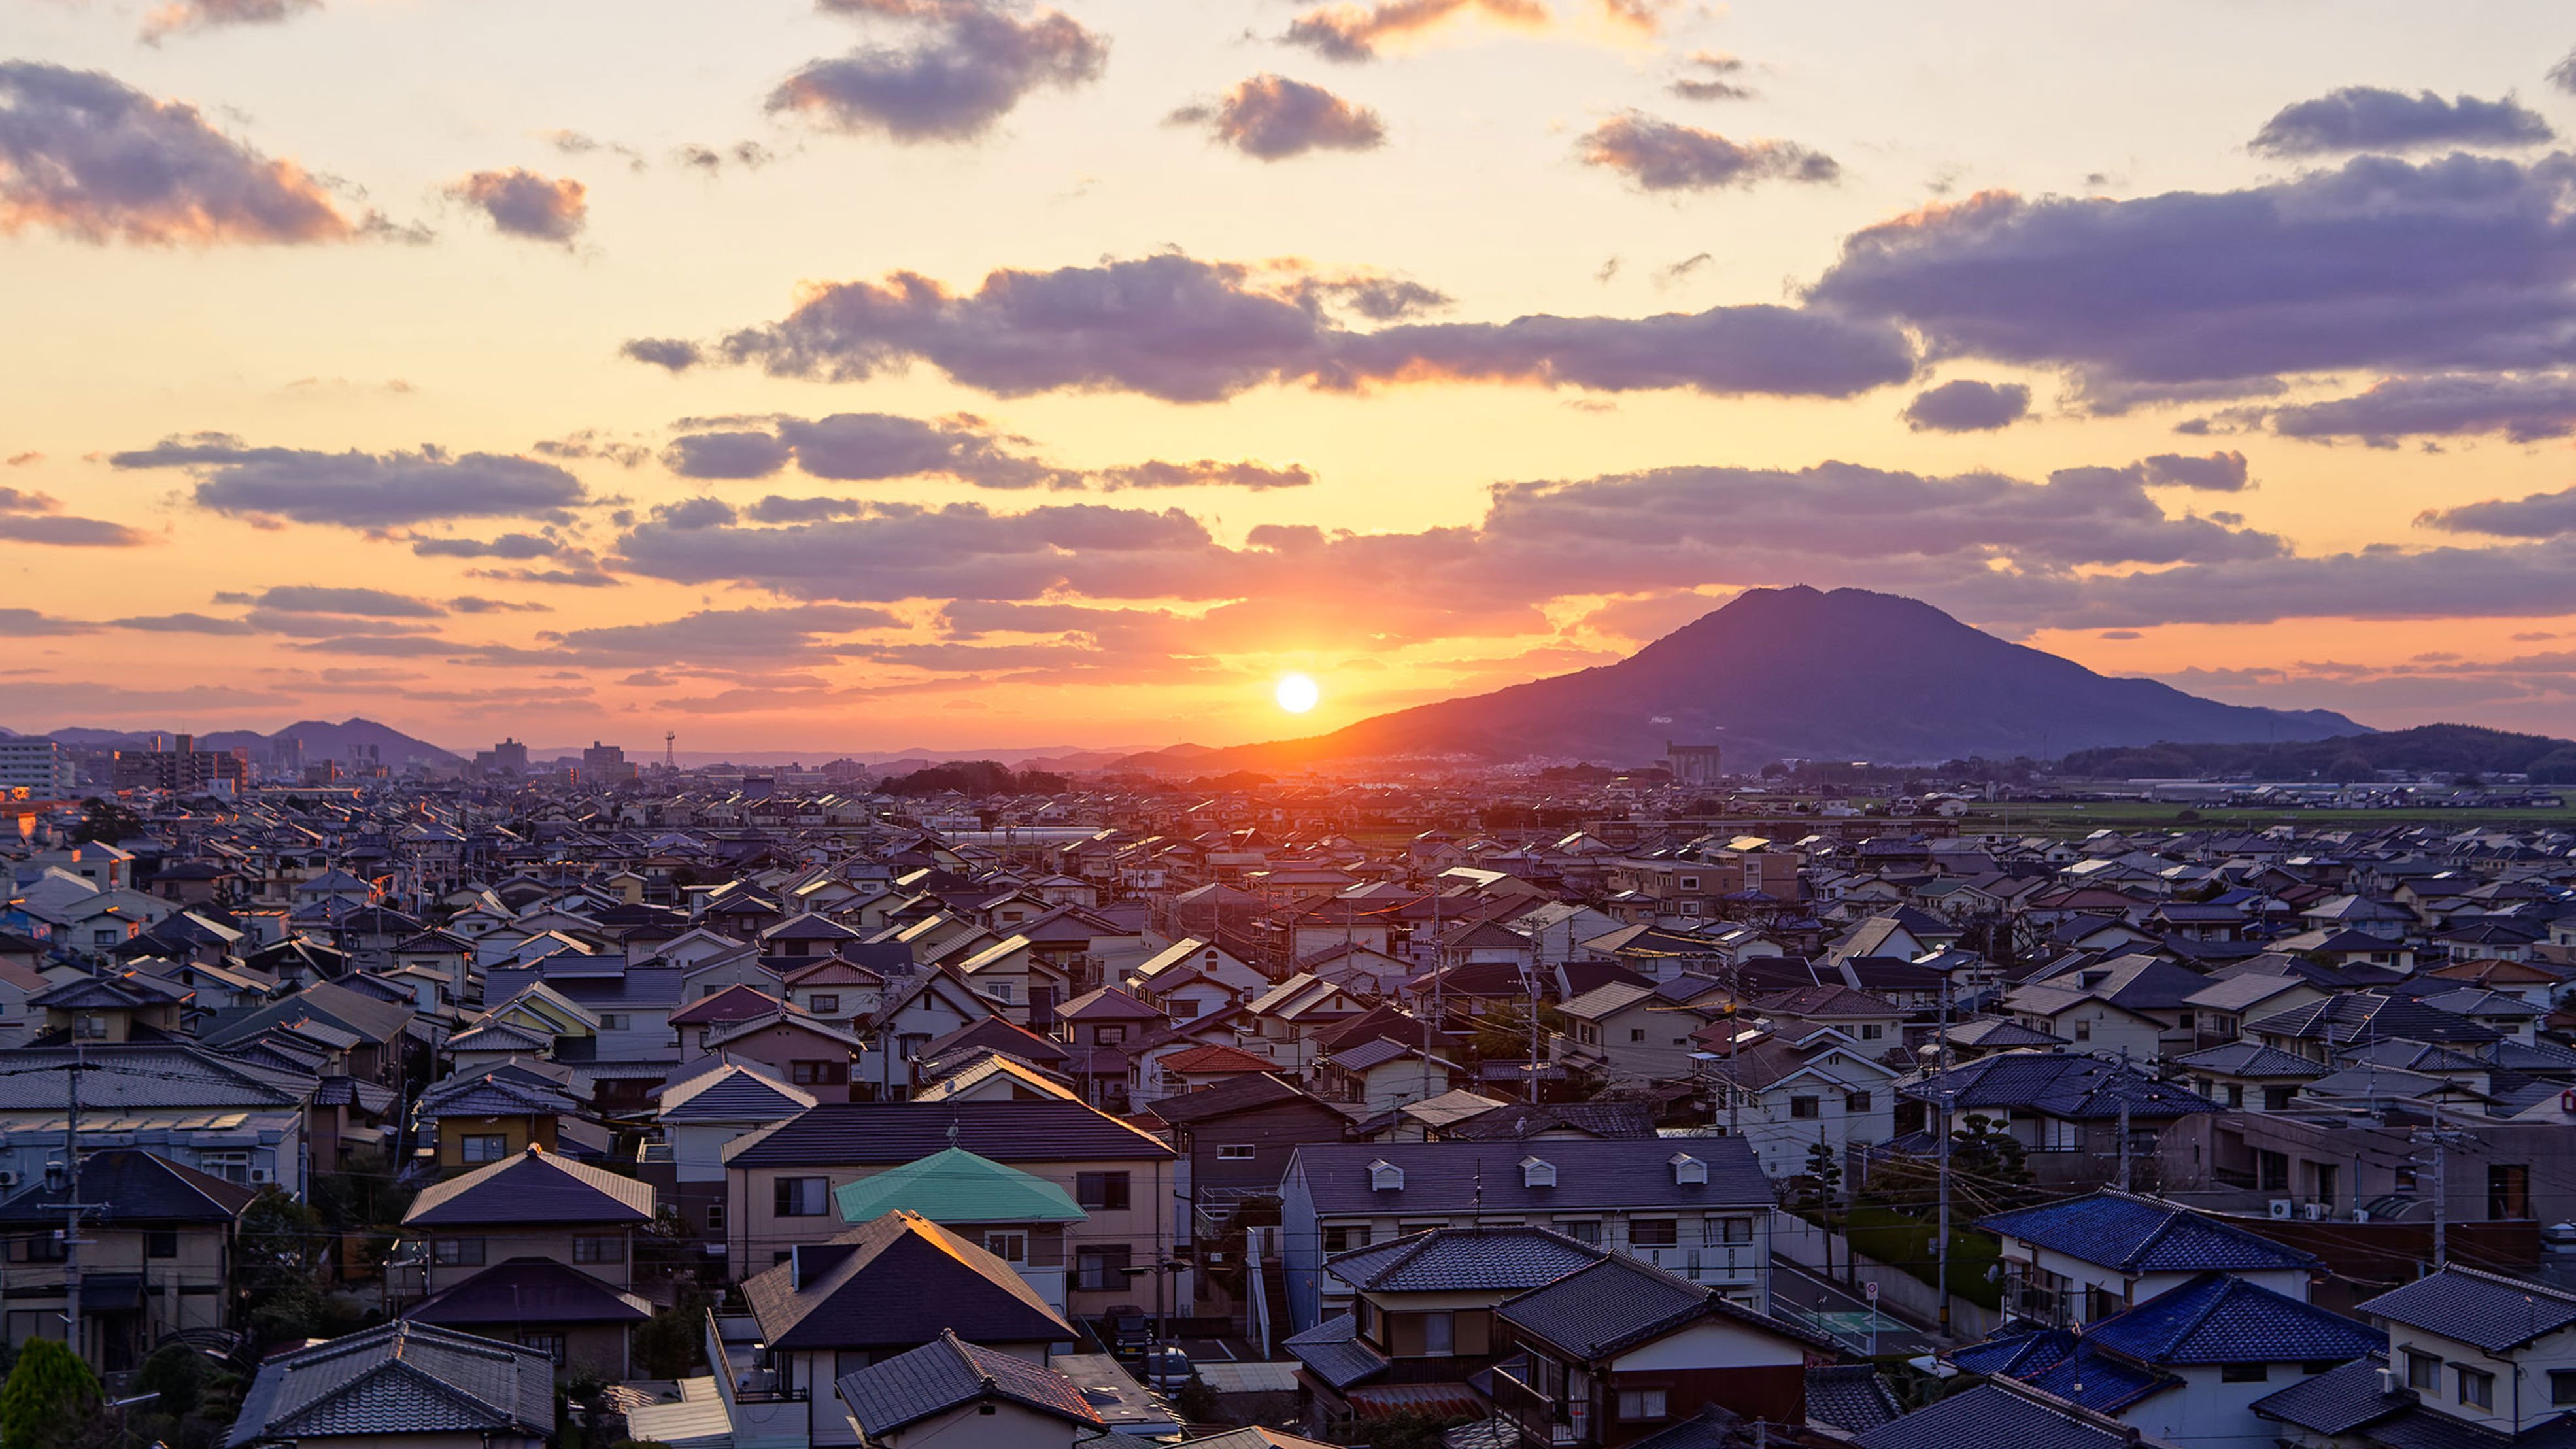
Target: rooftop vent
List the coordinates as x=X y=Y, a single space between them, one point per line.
x=1535 y=1173
x=1688 y=1170
x=1385 y=1176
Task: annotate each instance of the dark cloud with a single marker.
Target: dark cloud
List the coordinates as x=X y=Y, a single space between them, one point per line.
x=722 y=636
x=664 y=352
x=2457 y=264
x=2563 y=74
x=508 y=545
x=1206 y=472
x=2538 y=515
x=522 y=203
x=184 y=624
x=177 y=15
x=2367 y=118
x=972 y=63
x=591 y=443
x=476 y=604
x=1272 y=117
x=1353 y=32
x=1709 y=76
x=363 y=490
x=694 y=513
x=2525 y=408
x=1184 y=330
x=866 y=447
x=1664 y=155
x=750 y=155
x=27 y=517
x=1968 y=406
x=779 y=509
x=86 y=155
x=728 y=455
x=2215 y=472
x=360 y=602
x=20 y=623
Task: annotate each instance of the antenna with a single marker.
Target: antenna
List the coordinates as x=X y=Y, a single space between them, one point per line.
x=670 y=760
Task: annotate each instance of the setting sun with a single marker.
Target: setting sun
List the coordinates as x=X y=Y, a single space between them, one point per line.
x=1297 y=693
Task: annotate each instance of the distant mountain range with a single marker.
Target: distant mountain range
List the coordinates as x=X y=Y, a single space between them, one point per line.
x=321 y=739
x=1794 y=672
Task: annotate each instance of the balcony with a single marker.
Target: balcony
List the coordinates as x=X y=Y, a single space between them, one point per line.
x=1733 y=1264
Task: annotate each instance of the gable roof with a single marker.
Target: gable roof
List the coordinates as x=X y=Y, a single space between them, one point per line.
x=950 y=1373
x=956 y=1186
x=1456 y=1176
x=837 y=1133
x=536 y=1186
x=731 y=1092
x=1464 y=1260
x=1613 y=1305
x=401 y=1378
x=2143 y=1235
x=529 y=1290
x=2218 y=1319
x=134 y=1187
x=2489 y=1310
x=1990 y=1416
x=901 y=1280
x=2072 y=1088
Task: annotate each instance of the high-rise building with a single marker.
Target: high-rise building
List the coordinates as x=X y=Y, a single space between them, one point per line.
x=36 y=765
x=183 y=768
x=605 y=765
x=1694 y=764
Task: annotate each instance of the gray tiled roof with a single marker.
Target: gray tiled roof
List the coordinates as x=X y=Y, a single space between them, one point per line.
x=529 y=1290
x=145 y=1077
x=1620 y=1301
x=898 y=1281
x=1850 y=1397
x=842 y=1133
x=136 y=1187
x=2337 y=1401
x=1991 y=1417
x=1464 y=1260
x=533 y=1187
x=949 y=1373
x=1334 y=1352
x=1454 y=1177
x=2487 y=1309
x=402 y=1378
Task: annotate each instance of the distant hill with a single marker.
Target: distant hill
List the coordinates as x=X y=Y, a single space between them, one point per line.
x=2455 y=748
x=322 y=740
x=1795 y=672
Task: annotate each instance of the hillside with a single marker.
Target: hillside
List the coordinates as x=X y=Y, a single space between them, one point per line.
x=1796 y=672
x=322 y=740
x=2455 y=748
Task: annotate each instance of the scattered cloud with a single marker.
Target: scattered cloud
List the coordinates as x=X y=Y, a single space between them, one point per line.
x=27 y=517
x=521 y=203
x=173 y=16
x=1664 y=155
x=1271 y=117
x=872 y=447
x=2215 y=472
x=2367 y=118
x=508 y=545
x=2537 y=515
x=90 y=157
x=363 y=490
x=1206 y=472
x=2525 y=407
x=1968 y=406
x=1354 y=32
x=969 y=63
x=1708 y=75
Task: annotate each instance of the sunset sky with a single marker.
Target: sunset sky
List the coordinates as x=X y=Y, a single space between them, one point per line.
x=874 y=373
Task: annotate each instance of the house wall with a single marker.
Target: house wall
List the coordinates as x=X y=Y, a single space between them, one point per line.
x=2521 y=1377
x=2206 y=1412
x=1008 y=1427
x=500 y=1244
x=189 y=1290
x=1780 y=1139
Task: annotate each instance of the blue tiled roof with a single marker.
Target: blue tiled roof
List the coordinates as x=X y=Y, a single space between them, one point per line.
x=2009 y=1353
x=2218 y=1319
x=2142 y=1235
x=2487 y=1309
x=1988 y=1417
x=2098 y=1381
x=2337 y=1401
x=2053 y=1084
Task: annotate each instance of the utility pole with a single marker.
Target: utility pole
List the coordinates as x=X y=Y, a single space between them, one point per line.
x=2124 y=1119
x=72 y=1204
x=1734 y=1039
x=1944 y=1097
x=2441 y=1141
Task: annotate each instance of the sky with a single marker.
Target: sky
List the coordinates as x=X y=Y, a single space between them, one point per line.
x=862 y=374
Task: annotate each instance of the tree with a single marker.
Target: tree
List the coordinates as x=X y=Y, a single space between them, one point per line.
x=106 y=822
x=1988 y=1168
x=1825 y=1170
x=51 y=1395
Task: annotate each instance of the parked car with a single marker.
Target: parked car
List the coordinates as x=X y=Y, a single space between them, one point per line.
x=1166 y=1370
x=1126 y=1330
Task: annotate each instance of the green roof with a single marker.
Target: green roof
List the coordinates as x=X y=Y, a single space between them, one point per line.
x=956 y=1186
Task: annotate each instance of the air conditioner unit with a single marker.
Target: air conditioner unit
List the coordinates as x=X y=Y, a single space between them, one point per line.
x=261 y=1174
x=8 y=1179
x=2281 y=1208
x=2361 y=1215
x=2316 y=1212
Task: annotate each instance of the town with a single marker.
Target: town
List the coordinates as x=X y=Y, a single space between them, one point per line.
x=586 y=1101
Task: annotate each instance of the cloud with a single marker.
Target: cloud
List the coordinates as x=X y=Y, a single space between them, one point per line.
x=695 y=513
x=1206 y=472
x=184 y=624
x=973 y=62
x=750 y=155
x=363 y=490
x=2216 y=472
x=1271 y=117
x=1968 y=406
x=2524 y=407
x=2456 y=264
x=664 y=352
x=1709 y=76
x=872 y=447
x=476 y=604
x=1185 y=330
x=728 y=455
x=178 y=15
x=508 y=545
x=21 y=622
x=722 y=636
x=2367 y=118
x=1354 y=32
x=318 y=599
x=2563 y=74
x=1644 y=17
x=1666 y=156
x=522 y=203
x=27 y=517
x=90 y=157
x=2537 y=515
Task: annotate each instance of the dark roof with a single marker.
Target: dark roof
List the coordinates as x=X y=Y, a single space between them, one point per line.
x=2216 y=1318
x=529 y=1290
x=133 y=1187
x=1455 y=1176
x=1850 y=1397
x=838 y=1133
x=536 y=1186
x=899 y=1281
x=2143 y=1235
x=2364 y=1015
x=2071 y=1088
x=372 y=1018
x=2060 y=1364
x=2489 y=1310
x=1464 y=1260
x=1991 y=1417
x=1519 y=1121
x=948 y=1373
x=2337 y=1401
x=401 y=1378
x=1246 y=1093
x=1334 y=1352
x=1619 y=1302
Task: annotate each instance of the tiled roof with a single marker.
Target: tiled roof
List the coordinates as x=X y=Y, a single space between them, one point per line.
x=402 y=1378
x=844 y=1133
x=529 y=1290
x=2249 y=1059
x=1236 y=1094
x=2337 y=1401
x=1464 y=1260
x=2143 y=1235
x=1611 y=1305
x=732 y=1093
x=135 y=1187
x=956 y=1186
x=949 y=1373
x=1334 y=1352
x=1217 y=1057
x=535 y=1186
x=1453 y=1176
x=2489 y=1310
x=2053 y=1084
x=899 y=1281
x=2217 y=1319
x=1520 y=1121
x=1850 y=1397
x=1991 y=1417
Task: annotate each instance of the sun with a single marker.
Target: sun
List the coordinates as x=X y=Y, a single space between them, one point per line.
x=1297 y=693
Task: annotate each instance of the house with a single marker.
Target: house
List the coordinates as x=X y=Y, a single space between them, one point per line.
x=492 y=1115
x=1617 y=1351
x=2073 y=1263
x=1016 y=1216
x=1699 y=1207
x=156 y=1258
x=805 y=1050
x=950 y=1391
x=2002 y=1412
x=2064 y=1110
x=401 y=1386
x=779 y=1180
x=537 y=1205
x=1629 y=1033
x=703 y=1108
x=2478 y=1351
x=935 y=1004
x=580 y=1322
x=875 y=1292
x=178 y=1101
x=1784 y=1097
x=1288 y=1017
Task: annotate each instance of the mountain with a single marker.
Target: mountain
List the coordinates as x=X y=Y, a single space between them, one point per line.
x=1846 y=675
x=2455 y=748
x=322 y=740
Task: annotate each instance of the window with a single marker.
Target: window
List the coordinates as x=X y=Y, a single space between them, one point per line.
x=1654 y=1233
x=2083 y=1031
x=1806 y=1107
x=1010 y=1247
x=1439 y=1335
x=715 y=1217
x=1722 y=1231
x=483 y=1147
x=1234 y=1152
x=1109 y=1035
x=2562 y=1387
x=2271 y=1171
x=161 y=1243
x=457 y=1252
x=825 y=1003
x=599 y=1250
x=818 y=1073
x=1344 y=1239
x=1101 y=1270
x=1855 y=1101
x=799 y=1197
x=611 y=1021
x=2423 y=1372
x=1001 y=990
x=549 y=1344
x=1639 y=1404
x=233 y=1167
x=2243 y=1373
x=36 y=1248
x=1100 y=1191
x=1872 y=1031
x=2477 y=1387
x=1636 y=1033
x=2184 y=1021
